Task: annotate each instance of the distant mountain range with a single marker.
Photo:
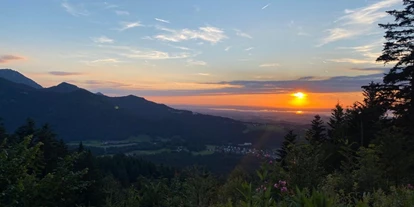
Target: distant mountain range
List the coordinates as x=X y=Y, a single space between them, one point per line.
x=77 y=114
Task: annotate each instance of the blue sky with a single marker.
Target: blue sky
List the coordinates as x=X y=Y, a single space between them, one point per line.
x=189 y=47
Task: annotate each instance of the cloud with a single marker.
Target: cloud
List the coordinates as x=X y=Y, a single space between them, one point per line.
x=156 y=55
x=248 y=49
x=179 y=47
x=203 y=74
x=162 y=20
x=269 y=65
x=367 y=52
x=358 y=22
x=352 y=60
x=101 y=61
x=192 y=62
x=107 y=60
x=102 y=83
x=227 y=48
x=109 y=6
x=129 y=25
x=208 y=34
x=62 y=73
x=372 y=69
x=9 y=58
x=312 y=84
x=102 y=39
x=147 y=38
x=145 y=54
x=121 y=13
x=309 y=84
x=336 y=34
x=75 y=10
x=267 y=5
x=369 y=14
x=242 y=34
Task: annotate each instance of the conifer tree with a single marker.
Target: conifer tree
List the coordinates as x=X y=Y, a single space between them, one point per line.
x=289 y=140
x=316 y=134
x=399 y=48
x=336 y=124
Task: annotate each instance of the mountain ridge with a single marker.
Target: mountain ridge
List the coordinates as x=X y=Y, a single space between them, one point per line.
x=17 y=77
x=78 y=114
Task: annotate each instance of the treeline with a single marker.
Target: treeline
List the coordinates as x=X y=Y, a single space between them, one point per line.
x=37 y=169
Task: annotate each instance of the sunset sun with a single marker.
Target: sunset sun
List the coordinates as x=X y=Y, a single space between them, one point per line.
x=299 y=95
x=299 y=99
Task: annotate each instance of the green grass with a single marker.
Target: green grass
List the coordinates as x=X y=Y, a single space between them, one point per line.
x=147 y=152
x=118 y=143
x=140 y=138
x=272 y=128
x=204 y=152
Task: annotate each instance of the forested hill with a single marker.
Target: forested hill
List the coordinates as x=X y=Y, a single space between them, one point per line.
x=77 y=114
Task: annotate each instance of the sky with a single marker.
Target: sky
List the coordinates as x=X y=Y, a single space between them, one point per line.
x=196 y=52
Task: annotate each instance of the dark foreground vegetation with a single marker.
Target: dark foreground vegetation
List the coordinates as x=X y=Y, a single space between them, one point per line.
x=361 y=157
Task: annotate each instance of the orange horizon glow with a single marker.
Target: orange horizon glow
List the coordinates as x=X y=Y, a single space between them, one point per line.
x=309 y=101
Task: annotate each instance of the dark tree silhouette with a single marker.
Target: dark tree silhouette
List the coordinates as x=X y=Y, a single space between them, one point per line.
x=399 y=48
x=289 y=140
x=316 y=134
x=336 y=124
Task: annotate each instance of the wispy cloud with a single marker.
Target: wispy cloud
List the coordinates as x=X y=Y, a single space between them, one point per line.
x=369 y=53
x=267 y=5
x=204 y=74
x=352 y=60
x=179 y=47
x=269 y=65
x=102 y=39
x=227 y=48
x=336 y=34
x=358 y=22
x=192 y=62
x=102 y=61
x=208 y=34
x=107 y=60
x=129 y=25
x=109 y=6
x=63 y=73
x=248 y=49
x=75 y=10
x=372 y=69
x=162 y=20
x=147 y=38
x=145 y=54
x=121 y=13
x=242 y=34
x=103 y=84
x=156 y=55
x=9 y=58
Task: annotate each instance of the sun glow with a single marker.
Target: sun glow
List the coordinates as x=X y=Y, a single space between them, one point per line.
x=299 y=99
x=299 y=95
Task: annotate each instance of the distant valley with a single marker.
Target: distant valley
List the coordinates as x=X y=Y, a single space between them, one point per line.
x=79 y=115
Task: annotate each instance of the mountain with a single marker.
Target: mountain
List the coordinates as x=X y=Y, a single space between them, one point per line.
x=77 y=114
x=17 y=77
x=63 y=88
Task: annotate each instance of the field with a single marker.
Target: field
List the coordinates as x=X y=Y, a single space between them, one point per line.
x=137 y=145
